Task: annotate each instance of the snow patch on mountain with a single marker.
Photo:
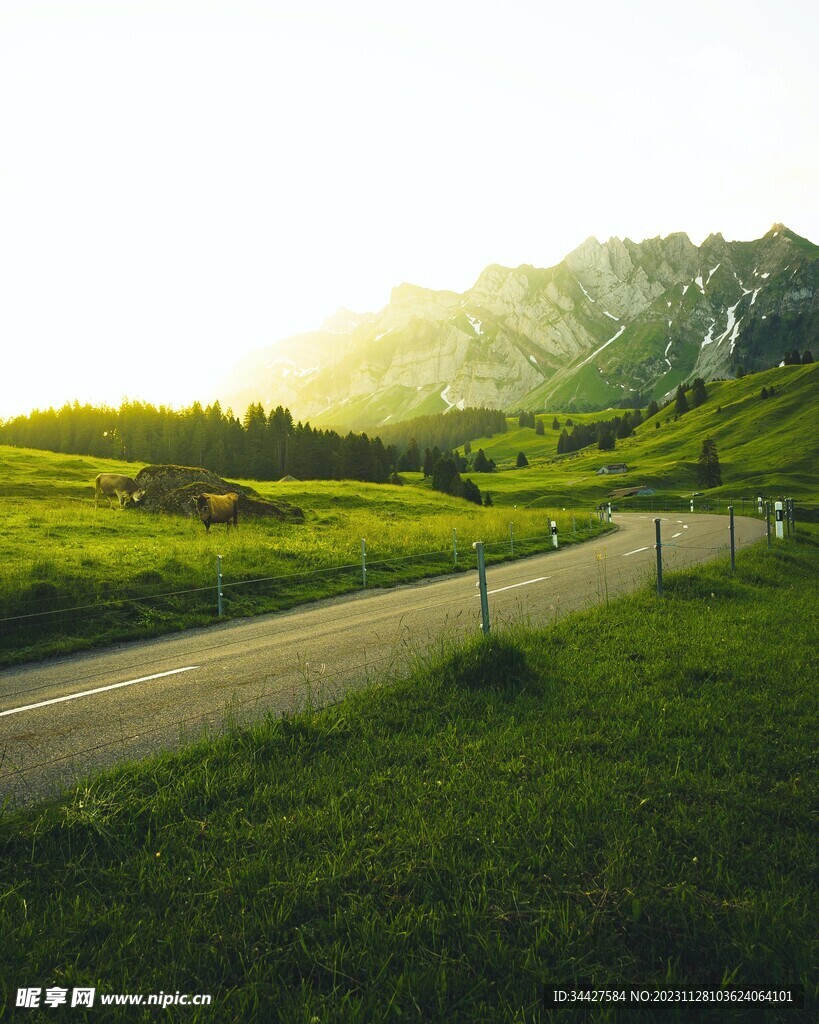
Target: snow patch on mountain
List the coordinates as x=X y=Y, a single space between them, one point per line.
x=606 y=344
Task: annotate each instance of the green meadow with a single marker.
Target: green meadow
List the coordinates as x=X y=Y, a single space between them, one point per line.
x=75 y=576
x=624 y=798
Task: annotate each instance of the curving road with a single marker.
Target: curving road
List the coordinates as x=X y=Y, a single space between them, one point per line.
x=64 y=718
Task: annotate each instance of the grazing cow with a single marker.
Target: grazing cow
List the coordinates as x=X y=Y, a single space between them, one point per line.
x=218 y=508
x=123 y=488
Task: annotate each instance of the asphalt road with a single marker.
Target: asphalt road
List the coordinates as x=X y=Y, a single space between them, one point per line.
x=67 y=717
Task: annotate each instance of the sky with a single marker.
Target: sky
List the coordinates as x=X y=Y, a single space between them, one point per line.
x=185 y=181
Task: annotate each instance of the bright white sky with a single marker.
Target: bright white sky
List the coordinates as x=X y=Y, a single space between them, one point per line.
x=182 y=181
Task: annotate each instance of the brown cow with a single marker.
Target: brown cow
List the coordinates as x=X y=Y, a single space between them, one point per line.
x=218 y=508
x=113 y=485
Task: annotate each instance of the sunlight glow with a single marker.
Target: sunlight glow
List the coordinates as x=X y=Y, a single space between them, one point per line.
x=183 y=183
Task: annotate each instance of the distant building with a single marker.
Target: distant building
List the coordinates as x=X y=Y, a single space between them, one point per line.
x=614 y=467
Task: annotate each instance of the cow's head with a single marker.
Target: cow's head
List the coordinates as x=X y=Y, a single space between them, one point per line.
x=137 y=497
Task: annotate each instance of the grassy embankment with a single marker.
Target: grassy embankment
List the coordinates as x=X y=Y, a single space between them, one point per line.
x=67 y=567
x=623 y=798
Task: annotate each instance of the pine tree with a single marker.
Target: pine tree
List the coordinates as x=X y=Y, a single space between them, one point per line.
x=708 y=468
x=807 y=357
x=470 y=492
x=539 y=430
x=411 y=459
x=487 y=500
x=555 y=424
x=680 y=402
x=698 y=393
x=522 y=460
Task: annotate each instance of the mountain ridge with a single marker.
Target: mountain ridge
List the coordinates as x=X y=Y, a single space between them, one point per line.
x=616 y=322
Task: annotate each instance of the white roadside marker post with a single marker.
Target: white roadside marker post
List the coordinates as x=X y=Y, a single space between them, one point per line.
x=363 y=562
x=780 y=525
x=554 y=534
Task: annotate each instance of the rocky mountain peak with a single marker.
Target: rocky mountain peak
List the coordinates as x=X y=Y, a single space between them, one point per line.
x=613 y=322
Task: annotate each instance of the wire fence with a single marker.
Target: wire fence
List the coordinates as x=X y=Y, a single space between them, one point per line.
x=806 y=511
x=46 y=614
x=45 y=618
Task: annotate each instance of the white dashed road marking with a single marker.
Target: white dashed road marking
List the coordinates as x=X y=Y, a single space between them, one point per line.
x=98 y=689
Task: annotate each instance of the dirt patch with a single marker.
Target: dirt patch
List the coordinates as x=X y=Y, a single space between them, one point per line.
x=173 y=489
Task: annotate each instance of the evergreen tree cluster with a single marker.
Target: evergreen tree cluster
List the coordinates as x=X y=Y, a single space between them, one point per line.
x=795 y=359
x=604 y=433
x=444 y=469
x=446 y=432
x=260 y=447
x=526 y=419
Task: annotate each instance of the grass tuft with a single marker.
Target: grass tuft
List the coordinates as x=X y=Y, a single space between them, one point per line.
x=491 y=662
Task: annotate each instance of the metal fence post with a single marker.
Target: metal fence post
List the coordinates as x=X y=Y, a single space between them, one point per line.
x=659 y=546
x=219 y=585
x=731 y=533
x=768 y=520
x=363 y=562
x=478 y=546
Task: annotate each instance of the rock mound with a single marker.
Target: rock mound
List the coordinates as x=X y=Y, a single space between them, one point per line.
x=172 y=489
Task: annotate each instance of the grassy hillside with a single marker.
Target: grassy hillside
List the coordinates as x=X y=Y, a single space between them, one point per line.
x=623 y=799
x=765 y=446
